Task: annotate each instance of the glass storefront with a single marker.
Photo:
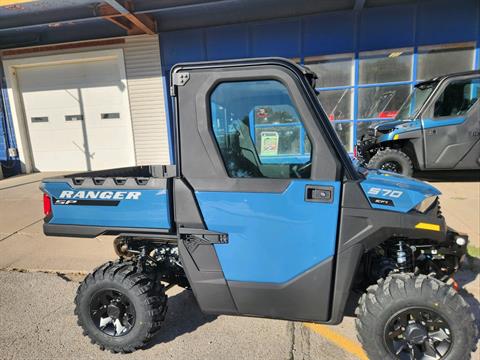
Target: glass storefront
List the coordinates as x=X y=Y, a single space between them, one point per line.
x=337 y=103
x=332 y=71
x=436 y=61
x=381 y=102
x=385 y=66
x=359 y=90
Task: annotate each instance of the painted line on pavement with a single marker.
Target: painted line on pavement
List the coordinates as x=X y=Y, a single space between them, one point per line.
x=337 y=339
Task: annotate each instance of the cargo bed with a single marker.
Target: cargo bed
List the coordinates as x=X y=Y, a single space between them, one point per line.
x=115 y=201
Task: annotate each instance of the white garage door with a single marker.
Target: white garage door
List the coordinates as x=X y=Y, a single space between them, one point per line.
x=77 y=115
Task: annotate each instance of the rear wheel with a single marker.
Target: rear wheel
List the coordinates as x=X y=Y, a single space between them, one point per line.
x=119 y=307
x=415 y=317
x=392 y=160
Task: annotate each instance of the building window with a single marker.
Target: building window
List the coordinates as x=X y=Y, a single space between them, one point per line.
x=440 y=60
x=359 y=90
x=337 y=103
x=335 y=85
x=259 y=131
x=332 y=71
x=381 y=102
x=344 y=130
x=385 y=66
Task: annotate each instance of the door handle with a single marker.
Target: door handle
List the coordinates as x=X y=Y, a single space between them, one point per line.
x=432 y=132
x=318 y=193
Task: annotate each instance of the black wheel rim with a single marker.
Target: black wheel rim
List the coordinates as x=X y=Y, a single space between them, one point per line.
x=112 y=312
x=392 y=166
x=418 y=333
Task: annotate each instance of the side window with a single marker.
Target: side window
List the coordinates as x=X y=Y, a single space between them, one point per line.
x=259 y=131
x=457 y=98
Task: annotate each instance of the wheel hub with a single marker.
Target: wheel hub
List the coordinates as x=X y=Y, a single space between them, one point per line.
x=416 y=334
x=114 y=311
x=392 y=166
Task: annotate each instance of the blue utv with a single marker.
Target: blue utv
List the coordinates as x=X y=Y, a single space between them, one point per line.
x=437 y=128
x=258 y=223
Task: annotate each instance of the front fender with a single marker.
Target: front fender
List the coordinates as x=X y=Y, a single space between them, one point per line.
x=407 y=130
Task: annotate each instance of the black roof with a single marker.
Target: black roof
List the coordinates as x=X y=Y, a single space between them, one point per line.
x=447 y=76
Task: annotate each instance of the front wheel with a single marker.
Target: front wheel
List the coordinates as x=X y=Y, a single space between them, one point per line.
x=392 y=160
x=415 y=317
x=119 y=307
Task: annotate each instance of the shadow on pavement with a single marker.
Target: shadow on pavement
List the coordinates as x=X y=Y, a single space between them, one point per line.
x=448 y=176
x=183 y=316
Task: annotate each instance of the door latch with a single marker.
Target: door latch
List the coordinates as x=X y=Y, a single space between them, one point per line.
x=315 y=193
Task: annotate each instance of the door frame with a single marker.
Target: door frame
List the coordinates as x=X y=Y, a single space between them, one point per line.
x=201 y=166
x=25 y=151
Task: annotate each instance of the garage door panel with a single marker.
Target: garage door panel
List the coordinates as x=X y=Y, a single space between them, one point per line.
x=73 y=97
x=75 y=162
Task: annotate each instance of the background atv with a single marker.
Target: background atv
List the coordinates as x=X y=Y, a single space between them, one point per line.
x=438 y=128
x=253 y=229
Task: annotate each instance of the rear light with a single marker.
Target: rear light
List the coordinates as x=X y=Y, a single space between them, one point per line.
x=47 y=205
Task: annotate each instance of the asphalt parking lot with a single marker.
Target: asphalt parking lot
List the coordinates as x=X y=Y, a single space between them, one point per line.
x=39 y=277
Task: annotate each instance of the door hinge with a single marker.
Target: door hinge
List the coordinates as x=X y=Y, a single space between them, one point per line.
x=193 y=238
x=178 y=79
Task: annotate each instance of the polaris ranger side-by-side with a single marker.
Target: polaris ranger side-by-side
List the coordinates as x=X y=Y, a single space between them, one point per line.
x=437 y=128
x=251 y=233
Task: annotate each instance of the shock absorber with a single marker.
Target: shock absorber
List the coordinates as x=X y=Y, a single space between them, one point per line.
x=404 y=255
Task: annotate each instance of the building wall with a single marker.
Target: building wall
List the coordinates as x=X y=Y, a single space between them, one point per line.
x=401 y=40
x=145 y=89
x=147 y=100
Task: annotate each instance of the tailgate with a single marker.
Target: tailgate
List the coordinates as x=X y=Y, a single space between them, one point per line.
x=91 y=207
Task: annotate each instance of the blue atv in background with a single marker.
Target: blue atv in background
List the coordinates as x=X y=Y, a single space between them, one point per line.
x=258 y=223
x=437 y=128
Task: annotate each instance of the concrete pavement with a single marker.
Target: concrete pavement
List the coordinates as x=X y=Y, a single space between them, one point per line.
x=37 y=308
x=38 y=323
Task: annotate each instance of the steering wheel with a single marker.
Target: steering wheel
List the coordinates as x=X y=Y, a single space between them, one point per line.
x=299 y=170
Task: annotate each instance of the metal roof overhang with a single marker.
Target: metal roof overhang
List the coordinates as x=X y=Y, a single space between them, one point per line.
x=25 y=23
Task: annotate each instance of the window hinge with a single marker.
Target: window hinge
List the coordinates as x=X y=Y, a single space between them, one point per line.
x=179 y=79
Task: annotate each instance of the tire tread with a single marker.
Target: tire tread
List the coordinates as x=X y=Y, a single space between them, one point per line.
x=152 y=296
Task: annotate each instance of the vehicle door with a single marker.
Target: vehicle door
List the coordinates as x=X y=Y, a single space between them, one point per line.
x=452 y=127
x=259 y=163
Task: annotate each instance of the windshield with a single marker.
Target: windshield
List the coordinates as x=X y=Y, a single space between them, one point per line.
x=415 y=101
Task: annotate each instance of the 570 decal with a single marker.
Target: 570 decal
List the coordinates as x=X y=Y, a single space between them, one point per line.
x=395 y=194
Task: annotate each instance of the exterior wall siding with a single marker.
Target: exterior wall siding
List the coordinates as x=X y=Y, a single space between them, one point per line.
x=147 y=100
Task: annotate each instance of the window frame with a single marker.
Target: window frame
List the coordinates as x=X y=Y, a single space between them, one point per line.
x=303 y=109
x=428 y=113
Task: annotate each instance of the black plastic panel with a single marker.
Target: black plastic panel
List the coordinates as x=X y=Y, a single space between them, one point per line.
x=210 y=288
x=306 y=297
x=94 y=231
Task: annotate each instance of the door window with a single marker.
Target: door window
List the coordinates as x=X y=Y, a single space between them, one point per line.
x=457 y=98
x=259 y=131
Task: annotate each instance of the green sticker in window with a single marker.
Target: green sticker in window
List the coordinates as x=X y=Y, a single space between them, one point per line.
x=269 y=143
